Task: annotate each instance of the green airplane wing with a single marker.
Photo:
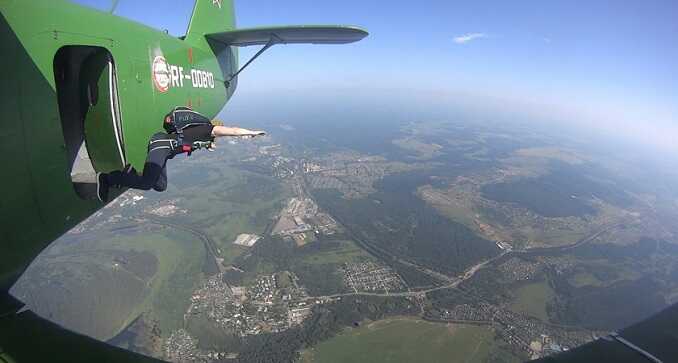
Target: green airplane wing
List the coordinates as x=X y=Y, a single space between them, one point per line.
x=651 y=340
x=26 y=337
x=293 y=34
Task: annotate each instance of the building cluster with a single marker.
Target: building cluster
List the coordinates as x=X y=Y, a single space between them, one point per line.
x=560 y=264
x=522 y=332
x=270 y=160
x=246 y=240
x=181 y=347
x=466 y=313
x=165 y=209
x=516 y=269
x=291 y=220
x=270 y=150
x=324 y=224
x=354 y=179
x=504 y=245
x=311 y=167
x=302 y=217
x=370 y=276
x=269 y=305
x=262 y=307
x=213 y=299
x=283 y=167
x=545 y=346
x=130 y=198
x=351 y=173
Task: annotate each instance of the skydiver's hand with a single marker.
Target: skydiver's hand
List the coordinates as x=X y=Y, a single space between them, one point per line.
x=218 y=131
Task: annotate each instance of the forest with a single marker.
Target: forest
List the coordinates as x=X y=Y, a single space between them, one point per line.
x=397 y=223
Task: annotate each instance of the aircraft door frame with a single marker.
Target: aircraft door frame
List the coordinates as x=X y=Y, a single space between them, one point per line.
x=102 y=121
x=115 y=110
x=86 y=75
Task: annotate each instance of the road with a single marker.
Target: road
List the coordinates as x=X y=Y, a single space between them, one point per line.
x=450 y=281
x=456 y=281
x=472 y=270
x=583 y=241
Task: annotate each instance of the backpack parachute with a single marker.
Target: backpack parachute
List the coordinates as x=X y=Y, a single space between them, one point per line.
x=179 y=120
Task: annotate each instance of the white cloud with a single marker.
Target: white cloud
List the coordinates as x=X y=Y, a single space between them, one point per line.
x=463 y=39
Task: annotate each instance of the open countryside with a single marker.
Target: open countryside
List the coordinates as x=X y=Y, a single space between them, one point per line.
x=406 y=340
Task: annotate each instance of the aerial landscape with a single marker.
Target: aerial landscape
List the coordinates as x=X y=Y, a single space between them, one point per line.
x=485 y=241
x=393 y=182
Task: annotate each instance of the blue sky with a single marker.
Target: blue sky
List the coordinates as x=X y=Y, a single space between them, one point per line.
x=609 y=63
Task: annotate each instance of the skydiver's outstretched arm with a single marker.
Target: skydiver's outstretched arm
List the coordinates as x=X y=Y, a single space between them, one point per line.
x=218 y=131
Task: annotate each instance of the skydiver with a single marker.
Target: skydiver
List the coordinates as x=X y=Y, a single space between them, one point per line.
x=185 y=129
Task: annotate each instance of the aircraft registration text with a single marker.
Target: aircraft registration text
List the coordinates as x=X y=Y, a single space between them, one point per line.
x=166 y=75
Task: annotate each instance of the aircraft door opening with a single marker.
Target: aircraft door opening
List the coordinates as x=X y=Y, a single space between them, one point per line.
x=90 y=114
x=102 y=121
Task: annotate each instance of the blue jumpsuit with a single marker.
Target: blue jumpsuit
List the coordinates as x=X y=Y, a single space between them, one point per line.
x=161 y=147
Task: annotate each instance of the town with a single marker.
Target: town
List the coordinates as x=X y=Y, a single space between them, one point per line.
x=272 y=303
x=369 y=276
x=522 y=332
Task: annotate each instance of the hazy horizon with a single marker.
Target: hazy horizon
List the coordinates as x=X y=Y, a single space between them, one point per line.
x=256 y=107
x=609 y=66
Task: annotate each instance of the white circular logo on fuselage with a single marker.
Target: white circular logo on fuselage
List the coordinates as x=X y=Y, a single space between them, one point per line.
x=161 y=74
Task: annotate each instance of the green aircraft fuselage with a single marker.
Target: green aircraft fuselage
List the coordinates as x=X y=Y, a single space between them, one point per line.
x=154 y=73
x=76 y=77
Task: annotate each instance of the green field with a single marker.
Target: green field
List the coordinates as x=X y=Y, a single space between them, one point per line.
x=406 y=340
x=584 y=279
x=180 y=259
x=532 y=299
x=318 y=264
x=555 y=237
x=227 y=202
x=222 y=201
x=102 y=300
x=340 y=252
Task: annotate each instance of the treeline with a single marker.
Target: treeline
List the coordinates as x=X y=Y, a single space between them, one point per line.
x=397 y=222
x=276 y=254
x=486 y=285
x=620 y=299
x=610 y=307
x=551 y=195
x=544 y=196
x=413 y=277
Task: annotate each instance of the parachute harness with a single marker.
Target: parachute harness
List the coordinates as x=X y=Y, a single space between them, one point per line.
x=180 y=119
